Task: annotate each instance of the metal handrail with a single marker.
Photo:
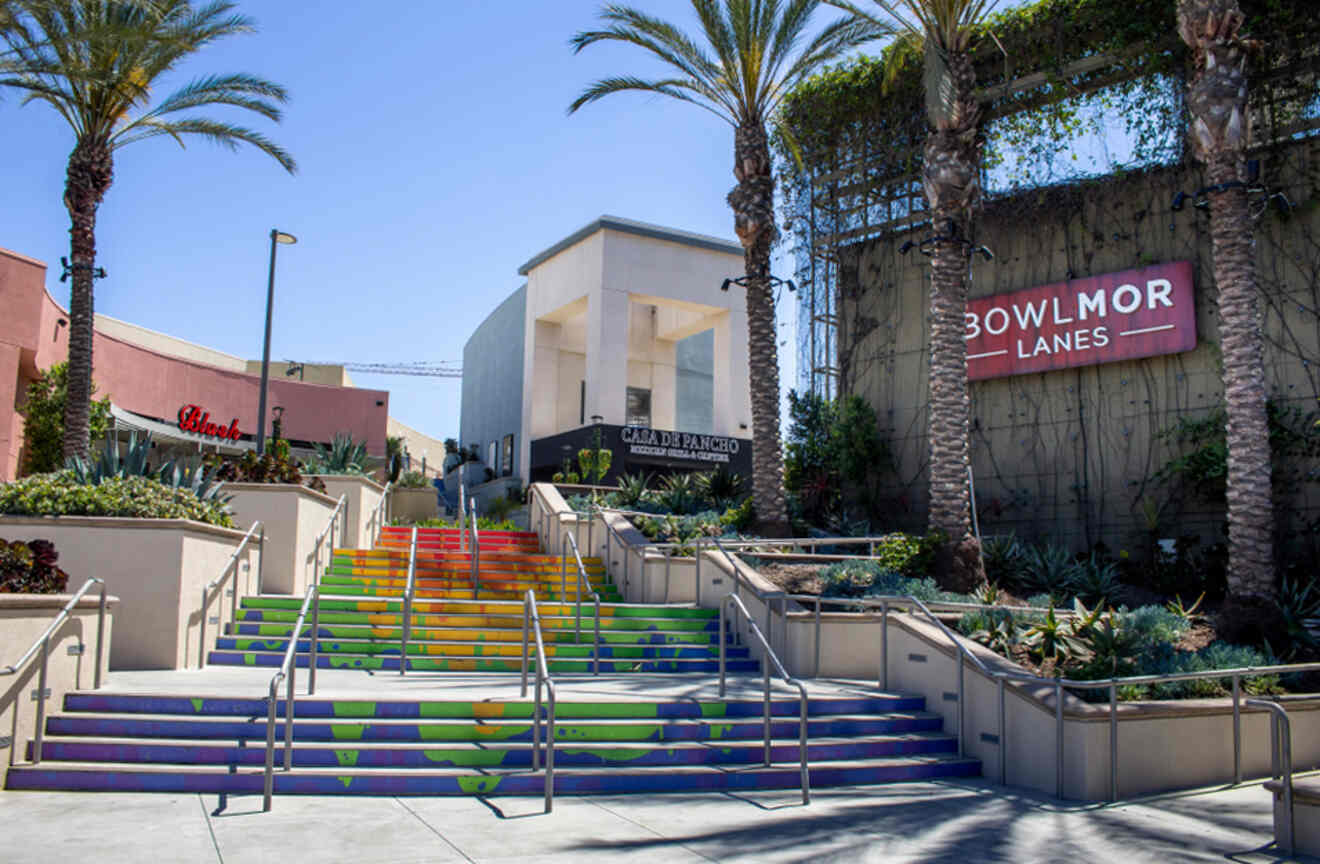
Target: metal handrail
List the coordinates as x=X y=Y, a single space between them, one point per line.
x=462 y=512
x=42 y=644
x=288 y=672
x=766 y=661
x=1002 y=678
x=581 y=578
x=408 y=590
x=532 y=625
x=474 y=559
x=230 y=567
x=1280 y=768
x=380 y=514
x=318 y=571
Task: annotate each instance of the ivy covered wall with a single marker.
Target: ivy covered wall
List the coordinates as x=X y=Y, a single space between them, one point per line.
x=1075 y=455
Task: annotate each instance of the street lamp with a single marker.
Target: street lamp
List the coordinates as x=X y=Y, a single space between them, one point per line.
x=276 y=236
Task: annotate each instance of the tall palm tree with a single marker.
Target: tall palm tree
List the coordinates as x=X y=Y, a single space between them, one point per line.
x=750 y=54
x=94 y=62
x=950 y=173
x=1217 y=103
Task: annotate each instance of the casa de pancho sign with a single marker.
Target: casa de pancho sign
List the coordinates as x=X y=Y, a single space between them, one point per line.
x=1082 y=322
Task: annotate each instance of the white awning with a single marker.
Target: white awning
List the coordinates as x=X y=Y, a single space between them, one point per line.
x=125 y=419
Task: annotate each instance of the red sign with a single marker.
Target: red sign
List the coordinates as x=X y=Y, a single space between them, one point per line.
x=193 y=419
x=1082 y=322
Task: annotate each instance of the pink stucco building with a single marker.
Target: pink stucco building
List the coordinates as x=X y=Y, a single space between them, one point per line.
x=153 y=379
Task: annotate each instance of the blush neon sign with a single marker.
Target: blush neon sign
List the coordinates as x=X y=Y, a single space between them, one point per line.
x=193 y=419
x=1082 y=322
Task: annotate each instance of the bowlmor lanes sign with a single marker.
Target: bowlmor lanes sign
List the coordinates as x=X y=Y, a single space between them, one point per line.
x=1082 y=322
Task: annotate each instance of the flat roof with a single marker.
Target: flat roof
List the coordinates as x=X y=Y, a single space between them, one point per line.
x=641 y=229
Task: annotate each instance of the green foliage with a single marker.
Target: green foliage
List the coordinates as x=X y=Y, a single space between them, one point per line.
x=499 y=509
x=720 y=487
x=1048 y=569
x=835 y=458
x=863 y=577
x=1201 y=464
x=201 y=481
x=412 y=480
x=1298 y=601
x=1096 y=581
x=907 y=554
x=633 y=488
x=679 y=494
x=595 y=461
x=276 y=465
x=61 y=494
x=343 y=456
x=1004 y=558
x=484 y=523
x=1062 y=640
x=43 y=420
x=28 y=567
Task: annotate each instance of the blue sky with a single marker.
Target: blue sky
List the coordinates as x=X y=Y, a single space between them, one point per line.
x=435 y=158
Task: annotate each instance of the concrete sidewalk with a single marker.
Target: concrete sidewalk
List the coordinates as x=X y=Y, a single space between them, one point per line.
x=965 y=822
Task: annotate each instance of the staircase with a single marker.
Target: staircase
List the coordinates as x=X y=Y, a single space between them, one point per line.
x=458 y=628
x=471 y=734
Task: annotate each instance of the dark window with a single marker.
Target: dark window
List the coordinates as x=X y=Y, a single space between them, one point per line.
x=582 y=405
x=639 y=407
x=506 y=463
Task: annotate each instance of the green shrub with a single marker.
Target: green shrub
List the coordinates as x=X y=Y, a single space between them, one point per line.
x=412 y=480
x=907 y=554
x=29 y=568
x=43 y=420
x=60 y=494
x=863 y=578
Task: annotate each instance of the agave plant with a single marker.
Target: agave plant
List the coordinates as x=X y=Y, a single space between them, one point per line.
x=632 y=488
x=1096 y=581
x=1004 y=557
x=679 y=495
x=204 y=482
x=1048 y=569
x=343 y=456
x=721 y=487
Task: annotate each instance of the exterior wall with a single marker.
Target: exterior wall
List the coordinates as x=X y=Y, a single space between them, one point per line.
x=493 y=370
x=414 y=505
x=293 y=517
x=418 y=447
x=608 y=306
x=312 y=373
x=155 y=375
x=157 y=567
x=1069 y=455
x=23 y=618
x=360 y=514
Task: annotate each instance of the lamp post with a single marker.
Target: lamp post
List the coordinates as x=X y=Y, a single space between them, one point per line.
x=276 y=237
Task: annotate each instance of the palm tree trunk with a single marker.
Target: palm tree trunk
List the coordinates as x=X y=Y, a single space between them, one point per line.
x=1217 y=104
x=88 y=176
x=951 y=168
x=1250 y=510
x=752 y=201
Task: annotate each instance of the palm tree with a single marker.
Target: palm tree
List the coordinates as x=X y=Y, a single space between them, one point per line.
x=1217 y=103
x=951 y=172
x=749 y=56
x=94 y=62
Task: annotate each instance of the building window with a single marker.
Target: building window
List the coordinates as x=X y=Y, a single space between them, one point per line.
x=491 y=458
x=582 y=405
x=639 y=407
x=506 y=462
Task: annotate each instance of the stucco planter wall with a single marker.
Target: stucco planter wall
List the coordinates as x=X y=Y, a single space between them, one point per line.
x=293 y=517
x=23 y=618
x=414 y=505
x=156 y=567
x=363 y=498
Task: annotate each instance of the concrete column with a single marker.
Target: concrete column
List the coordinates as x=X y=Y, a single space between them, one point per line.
x=607 y=354
x=11 y=422
x=664 y=386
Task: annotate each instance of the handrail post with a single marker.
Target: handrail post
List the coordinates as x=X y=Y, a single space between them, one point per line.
x=41 y=702
x=1113 y=741
x=268 y=785
x=962 y=710
x=722 y=652
x=1237 y=729
x=596 y=652
x=884 y=645
x=1003 y=734
x=316 y=638
x=536 y=723
x=409 y=590
x=100 y=639
x=765 y=666
x=526 y=647
x=261 y=560
x=1058 y=739
x=1281 y=768
x=802 y=743
x=550 y=749
x=201 y=633
x=289 y=713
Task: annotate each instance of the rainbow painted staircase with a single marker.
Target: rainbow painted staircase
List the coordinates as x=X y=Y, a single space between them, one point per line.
x=366 y=734
x=457 y=628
